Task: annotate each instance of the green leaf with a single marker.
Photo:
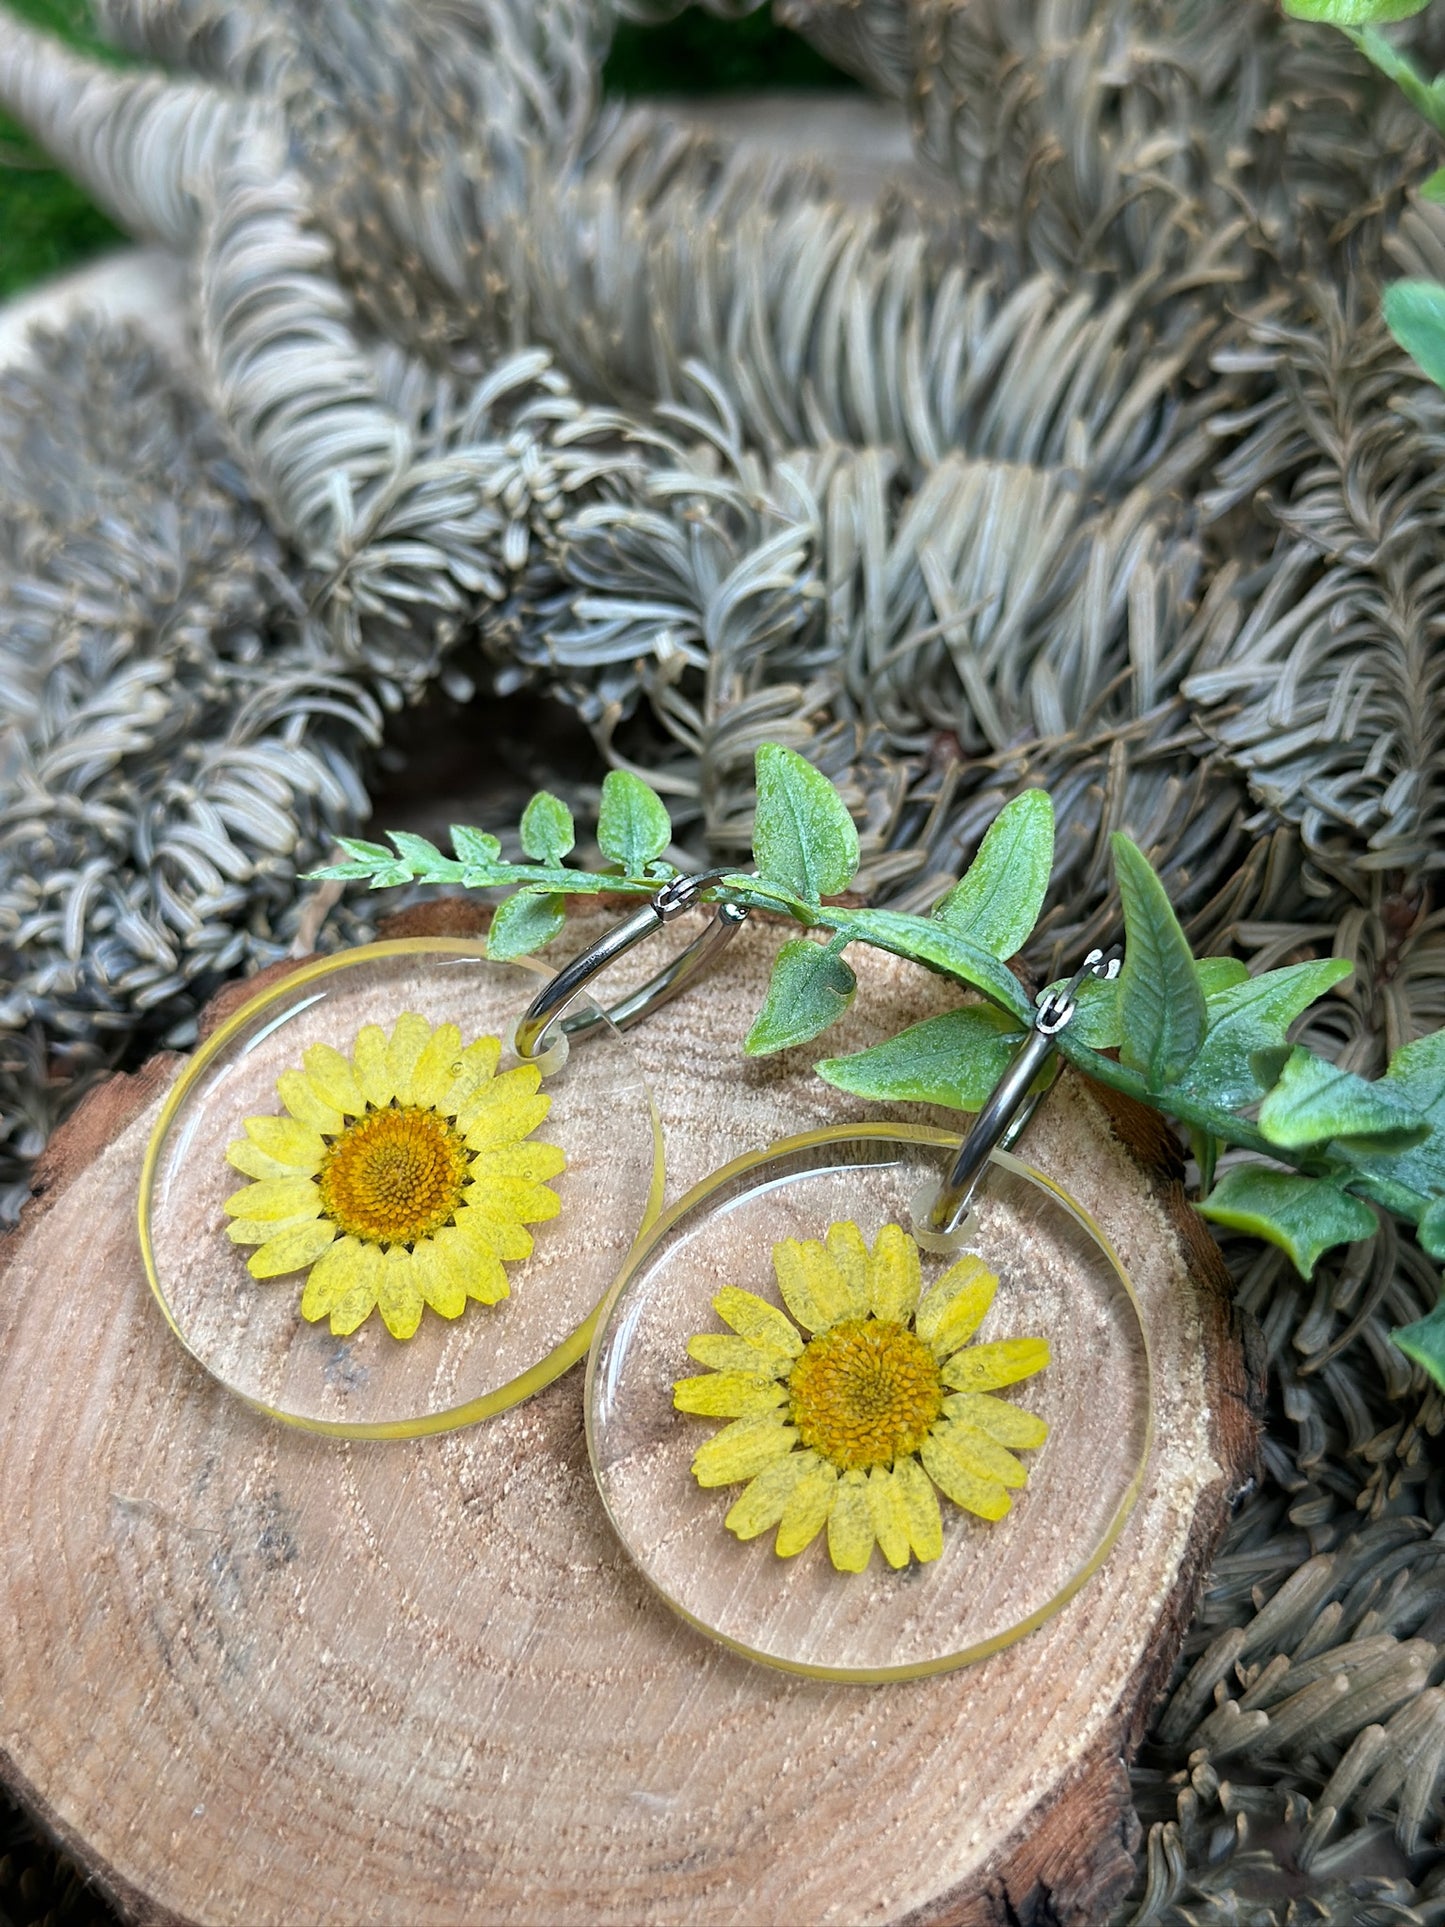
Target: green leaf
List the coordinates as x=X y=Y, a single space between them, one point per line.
x=803 y=836
x=1424 y=1342
x=1250 y=1017
x=525 y=923
x=477 y=849
x=424 y=859
x=1415 y=316
x=997 y=901
x=1220 y=973
x=547 y=832
x=1161 y=1004
x=370 y=853
x=1355 y=13
x=1432 y=188
x=1315 y=1101
x=935 y=945
x=633 y=826
x=811 y=987
x=1097 y=1022
x=1303 y=1216
x=955 y=1059
x=1431 y=1232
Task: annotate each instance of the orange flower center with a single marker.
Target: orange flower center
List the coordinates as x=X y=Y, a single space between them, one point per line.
x=394 y=1176
x=865 y=1392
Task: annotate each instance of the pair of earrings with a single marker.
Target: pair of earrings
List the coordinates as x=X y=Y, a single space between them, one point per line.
x=381 y=1203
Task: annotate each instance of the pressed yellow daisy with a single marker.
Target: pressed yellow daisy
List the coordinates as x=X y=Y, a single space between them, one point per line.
x=399 y=1179
x=851 y=1412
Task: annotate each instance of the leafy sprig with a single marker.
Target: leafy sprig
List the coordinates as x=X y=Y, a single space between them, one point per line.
x=1198 y=1039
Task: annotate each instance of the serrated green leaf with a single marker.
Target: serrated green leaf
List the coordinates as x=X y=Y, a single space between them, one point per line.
x=1431 y=1231
x=1250 y=1017
x=1415 y=316
x=1315 y=1101
x=1096 y=1020
x=1354 y=13
x=955 y=1059
x=1161 y=1004
x=547 y=832
x=364 y=852
x=931 y=943
x=811 y=987
x=1424 y=1342
x=633 y=826
x=803 y=837
x=424 y=859
x=478 y=849
x=997 y=901
x=1303 y=1216
x=524 y=923
x=1416 y=1074
x=340 y=873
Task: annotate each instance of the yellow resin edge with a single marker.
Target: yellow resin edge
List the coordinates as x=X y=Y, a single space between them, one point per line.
x=904 y=1134
x=547 y=1368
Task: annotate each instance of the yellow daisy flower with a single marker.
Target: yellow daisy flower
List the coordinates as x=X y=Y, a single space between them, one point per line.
x=399 y=1179
x=850 y=1413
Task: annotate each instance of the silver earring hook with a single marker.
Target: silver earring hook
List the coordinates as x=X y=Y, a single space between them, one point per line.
x=530 y=1032
x=1004 y=1118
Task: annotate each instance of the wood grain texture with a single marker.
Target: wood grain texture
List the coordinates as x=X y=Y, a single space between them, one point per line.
x=250 y=1675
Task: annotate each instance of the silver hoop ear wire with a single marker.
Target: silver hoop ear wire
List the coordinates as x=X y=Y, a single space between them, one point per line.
x=546 y=1008
x=1006 y=1115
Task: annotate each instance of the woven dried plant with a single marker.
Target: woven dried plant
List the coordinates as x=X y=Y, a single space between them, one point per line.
x=1084 y=463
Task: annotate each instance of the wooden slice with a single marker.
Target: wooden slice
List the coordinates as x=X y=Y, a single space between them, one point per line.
x=251 y=1675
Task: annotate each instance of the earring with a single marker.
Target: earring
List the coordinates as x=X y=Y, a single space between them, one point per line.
x=380 y=1204
x=838 y=1399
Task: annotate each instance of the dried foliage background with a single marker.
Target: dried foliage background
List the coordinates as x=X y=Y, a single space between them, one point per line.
x=1080 y=458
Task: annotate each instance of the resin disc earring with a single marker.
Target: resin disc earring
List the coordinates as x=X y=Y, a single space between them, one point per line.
x=380 y=1203
x=839 y=1398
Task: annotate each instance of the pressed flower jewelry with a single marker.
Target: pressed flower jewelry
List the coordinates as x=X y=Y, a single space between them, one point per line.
x=850 y=1412
x=400 y=1178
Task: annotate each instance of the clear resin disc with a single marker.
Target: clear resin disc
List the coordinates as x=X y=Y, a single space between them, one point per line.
x=996 y=1579
x=250 y=1332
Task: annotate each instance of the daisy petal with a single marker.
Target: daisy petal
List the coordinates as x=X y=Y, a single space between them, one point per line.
x=954 y=1308
x=812 y=1287
x=260 y=1231
x=440 y=1285
x=302 y=1245
x=483 y=1125
x=728 y=1354
x=435 y=1071
x=920 y=1503
x=306 y=1104
x=476 y=1068
x=398 y=1295
x=349 y=1266
x=409 y=1036
x=956 y=1476
x=844 y=1244
x=888 y=1509
x=759 y=1322
x=253 y=1162
x=373 y=1066
x=354 y=1307
x=1009 y=1424
x=766 y=1498
x=275 y=1198
x=728 y=1394
x=295 y=1145
x=477 y=1268
x=894 y=1276
x=850 y=1524
x=984 y=1455
x=522 y=1200
x=519 y=1161
x=741 y=1450
x=806 y=1513
x=982 y=1368
x=495 y=1231
x=333 y=1079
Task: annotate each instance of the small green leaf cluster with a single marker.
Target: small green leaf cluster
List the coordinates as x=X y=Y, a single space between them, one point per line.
x=1414 y=310
x=1196 y=1038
